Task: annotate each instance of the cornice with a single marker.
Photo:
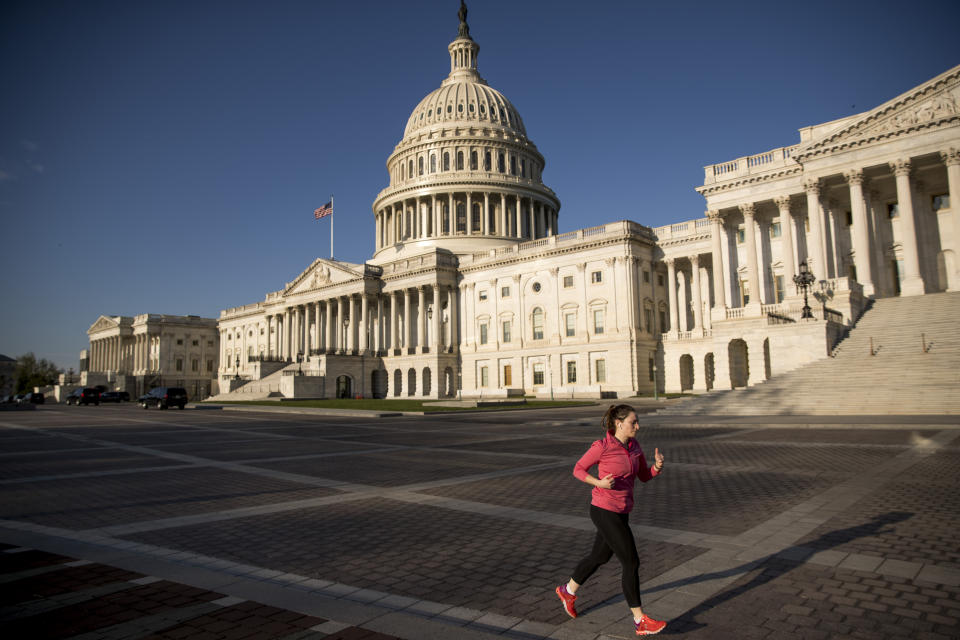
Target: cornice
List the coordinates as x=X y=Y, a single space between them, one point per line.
x=779 y=174
x=444 y=187
x=554 y=251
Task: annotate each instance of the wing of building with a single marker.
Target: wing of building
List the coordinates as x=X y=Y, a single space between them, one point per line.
x=471 y=290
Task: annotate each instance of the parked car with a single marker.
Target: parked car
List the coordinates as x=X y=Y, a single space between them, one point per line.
x=17 y=399
x=111 y=396
x=87 y=395
x=33 y=397
x=164 y=398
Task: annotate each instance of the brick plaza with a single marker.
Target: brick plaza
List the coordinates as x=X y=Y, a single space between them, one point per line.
x=120 y=523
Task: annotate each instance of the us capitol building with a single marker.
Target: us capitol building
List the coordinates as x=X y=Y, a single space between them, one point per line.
x=472 y=290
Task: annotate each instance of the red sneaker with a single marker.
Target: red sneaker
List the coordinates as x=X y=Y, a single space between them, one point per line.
x=568 y=600
x=648 y=626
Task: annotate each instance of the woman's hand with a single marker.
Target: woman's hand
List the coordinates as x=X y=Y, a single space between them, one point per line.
x=606 y=482
x=657 y=459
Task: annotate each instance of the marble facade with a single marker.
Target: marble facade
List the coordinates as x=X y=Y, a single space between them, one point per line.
x=472 y=290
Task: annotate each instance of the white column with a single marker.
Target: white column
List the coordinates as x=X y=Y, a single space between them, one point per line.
x=421 y=318
x=750 y=231
x=394 y=320
x=407 y=329
x=532 y=224
x=786 y=241
x=340 y=338
x=318 y=312
x=716 y=248
x=451 y=215
x=671 y=289
x=364 y=324
x=378 y=336
x=504 y=228
x=951 y=157
x=816 y=258
x=861 y=238
x=437 y=313
x=451 y=339
x=912 y=284
x=434 y=216
x=485 y=216
x=469 y=214
x=328 y=339
x=352 y=326
x=286 y=333
x=697 y=297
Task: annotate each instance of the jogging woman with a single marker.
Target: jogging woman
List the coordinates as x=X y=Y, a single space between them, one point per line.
x=619 y=461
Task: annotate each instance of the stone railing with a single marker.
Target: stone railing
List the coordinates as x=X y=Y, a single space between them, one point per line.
x=614 y=230
x=682 y=336
x=682 y=229
x=749 y=165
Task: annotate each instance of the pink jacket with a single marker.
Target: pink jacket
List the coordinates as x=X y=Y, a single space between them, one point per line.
x=624 y=462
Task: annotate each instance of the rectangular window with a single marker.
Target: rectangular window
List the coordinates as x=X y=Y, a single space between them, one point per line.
x=596 y=276
x=650 y=368
x=663 y=320
x=483 y=333
x=179 y=341
x=567 y=282
x=648 y=319
x=571 y=321
x=659 y=279
x=504 y=292
x=646 y=277
x=506 y=330
x=598 y=320
x=775 y=230
x=209 y=366
x=483 y=295
x=940 y=201
x=744 y=293
x=601 y=367
x=893 y=210
x=741 y=235
x=507 y=375
x=538 y=374
x=571 y=371
x=179 y=364
x=484 y=377
x=778 y=288
x=196 y=343
x=195 y=365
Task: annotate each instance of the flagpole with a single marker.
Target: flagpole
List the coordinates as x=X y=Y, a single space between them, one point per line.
x=331 y=226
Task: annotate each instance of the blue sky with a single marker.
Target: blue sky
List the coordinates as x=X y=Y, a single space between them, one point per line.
x=166 y=157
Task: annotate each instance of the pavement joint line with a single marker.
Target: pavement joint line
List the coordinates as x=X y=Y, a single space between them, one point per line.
x=706 y=581
x=99 y=474
x=145 y=580
x=46 y=604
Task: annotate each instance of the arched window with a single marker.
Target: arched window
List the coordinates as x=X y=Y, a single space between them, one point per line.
x=486 y=161
x=473 y=161
x=523 y=168
x=513 y=166
x=538 y=324
x=446 y=161
x=410 y=169
x=500 y=163
x=420 y=166
x=459 y=160
x=433 y=163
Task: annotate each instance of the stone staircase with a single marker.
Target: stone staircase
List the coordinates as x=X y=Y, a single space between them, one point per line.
x=268 y=387
x=899 y=377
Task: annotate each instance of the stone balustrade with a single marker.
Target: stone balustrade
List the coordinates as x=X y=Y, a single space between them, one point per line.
x=749 y=165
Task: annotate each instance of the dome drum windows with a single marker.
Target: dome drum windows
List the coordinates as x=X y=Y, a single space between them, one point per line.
x=433 y=163
x=420 y=166
x=473 y=160
x=459 y=160
x=446 y=161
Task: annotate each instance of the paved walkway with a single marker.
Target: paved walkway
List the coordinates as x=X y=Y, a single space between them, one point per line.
x=118 y=523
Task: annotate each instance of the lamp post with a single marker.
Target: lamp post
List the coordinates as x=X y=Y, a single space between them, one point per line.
x=656 y=390
x=429 y=320
x=236 y=375
x=804 y=280
x=343 y=345
x=299 y=362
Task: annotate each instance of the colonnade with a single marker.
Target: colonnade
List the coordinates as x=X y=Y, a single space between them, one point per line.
x=394 y=322
x=821 y=246
x=125 y=354
x=465 y=214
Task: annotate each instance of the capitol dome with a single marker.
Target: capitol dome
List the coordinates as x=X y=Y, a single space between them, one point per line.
x=464 y=177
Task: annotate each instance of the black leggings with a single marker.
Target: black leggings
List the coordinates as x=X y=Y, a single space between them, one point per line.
x=613 y=537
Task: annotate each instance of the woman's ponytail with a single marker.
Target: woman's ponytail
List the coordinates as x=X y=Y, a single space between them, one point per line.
x=614 y=413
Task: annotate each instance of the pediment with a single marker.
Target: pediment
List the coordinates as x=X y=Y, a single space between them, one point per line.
x=323 y=273
x=104 y=323
x=930 y=105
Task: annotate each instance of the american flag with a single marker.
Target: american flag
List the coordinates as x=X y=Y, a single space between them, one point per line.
x=324 y=211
